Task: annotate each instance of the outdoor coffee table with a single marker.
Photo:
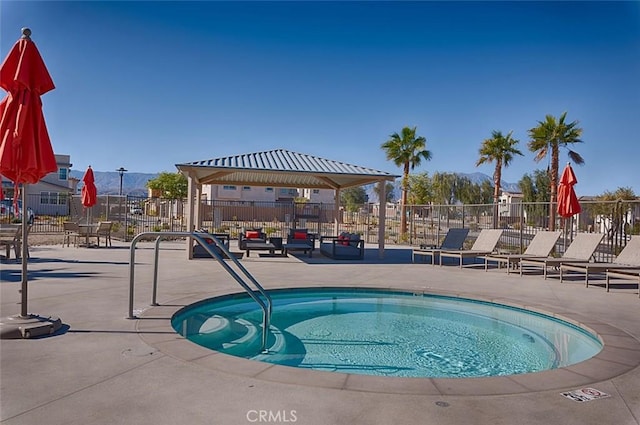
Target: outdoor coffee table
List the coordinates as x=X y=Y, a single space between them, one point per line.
x=297 y=247
x=260 y=246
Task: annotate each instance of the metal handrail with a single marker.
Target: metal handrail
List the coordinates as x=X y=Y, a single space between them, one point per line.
x=200 y=238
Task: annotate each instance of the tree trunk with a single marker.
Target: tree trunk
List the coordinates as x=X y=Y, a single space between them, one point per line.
x=554 y=185
x=497 y=176
x=403 y=202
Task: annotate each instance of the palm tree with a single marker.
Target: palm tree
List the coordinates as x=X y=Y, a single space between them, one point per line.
x=501 y=150
x=406 y=151
x=547 y=137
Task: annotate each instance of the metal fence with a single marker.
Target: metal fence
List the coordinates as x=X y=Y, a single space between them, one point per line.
x=426 y=224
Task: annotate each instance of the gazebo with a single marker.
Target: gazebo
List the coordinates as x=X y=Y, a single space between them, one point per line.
x=280 y=168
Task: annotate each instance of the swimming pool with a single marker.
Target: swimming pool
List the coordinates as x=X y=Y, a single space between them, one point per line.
x=388 y=333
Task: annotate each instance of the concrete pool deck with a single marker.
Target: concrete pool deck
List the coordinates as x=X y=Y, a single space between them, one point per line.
x=103 y=368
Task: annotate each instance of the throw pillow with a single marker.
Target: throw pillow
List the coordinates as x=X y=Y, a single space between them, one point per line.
x=252 y=234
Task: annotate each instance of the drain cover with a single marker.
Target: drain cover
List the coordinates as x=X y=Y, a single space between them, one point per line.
x=585 y=394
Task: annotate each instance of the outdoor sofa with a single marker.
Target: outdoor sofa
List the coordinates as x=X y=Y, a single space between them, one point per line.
x=346 y=246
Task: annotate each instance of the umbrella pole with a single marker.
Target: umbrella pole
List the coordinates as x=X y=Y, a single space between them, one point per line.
x=25 y=251
x=25 y=325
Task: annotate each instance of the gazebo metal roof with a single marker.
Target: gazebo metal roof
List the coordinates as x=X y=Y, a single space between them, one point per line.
x=282 y=168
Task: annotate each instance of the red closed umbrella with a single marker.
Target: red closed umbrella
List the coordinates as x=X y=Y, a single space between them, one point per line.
x=26 y=156
x=568 y=204
x=89 y=191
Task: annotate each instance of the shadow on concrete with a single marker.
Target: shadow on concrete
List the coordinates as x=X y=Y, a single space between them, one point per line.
x=391 y=256
x=15 y=276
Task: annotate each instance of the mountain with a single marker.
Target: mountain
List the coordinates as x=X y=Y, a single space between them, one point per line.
x=135 y=184
x=476 y=178
x=108 y=182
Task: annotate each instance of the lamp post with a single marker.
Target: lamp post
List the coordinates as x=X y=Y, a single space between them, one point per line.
x=121 y=171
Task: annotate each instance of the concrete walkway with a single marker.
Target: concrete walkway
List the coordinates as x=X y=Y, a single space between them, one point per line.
x=103 y=368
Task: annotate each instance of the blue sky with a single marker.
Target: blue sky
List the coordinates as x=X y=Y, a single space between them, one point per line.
x=146 y=85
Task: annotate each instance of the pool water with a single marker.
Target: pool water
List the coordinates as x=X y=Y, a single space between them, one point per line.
x=390 y=333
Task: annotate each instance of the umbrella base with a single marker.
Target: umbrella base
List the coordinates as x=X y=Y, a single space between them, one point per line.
x=31 y=326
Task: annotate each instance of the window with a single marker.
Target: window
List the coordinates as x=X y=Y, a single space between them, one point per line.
x=228 y=187
x=63 y=198
x=316 y=191
x=50 y=198
x=268 y=189
x=63 y=173
x=246 y=187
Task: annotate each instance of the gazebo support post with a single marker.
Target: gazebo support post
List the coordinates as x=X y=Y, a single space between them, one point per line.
x=198 y=204
x=336 y=216
x=191 y=196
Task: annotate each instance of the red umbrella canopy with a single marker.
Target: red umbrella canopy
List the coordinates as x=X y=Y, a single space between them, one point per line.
x=568 y=204
x=26 y=154
x=89 y=191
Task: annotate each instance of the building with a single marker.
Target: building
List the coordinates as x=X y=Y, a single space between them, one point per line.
x=50 y=196
x=267 y=194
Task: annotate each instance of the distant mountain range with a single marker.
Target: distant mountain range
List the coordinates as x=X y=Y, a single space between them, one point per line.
x=108 y=182
x=135 y=184
x=476 y=178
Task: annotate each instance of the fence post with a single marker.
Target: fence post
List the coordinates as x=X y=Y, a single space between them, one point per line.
x=521 y=227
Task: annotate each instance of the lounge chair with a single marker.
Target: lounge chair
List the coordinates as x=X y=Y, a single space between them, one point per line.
x=453 y=240
x=628 y=259
x=540 y=246
x=580 y=251
x=484 y=244
x=623 y=274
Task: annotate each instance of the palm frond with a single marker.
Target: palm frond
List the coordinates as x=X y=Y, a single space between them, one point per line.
x=576 y=157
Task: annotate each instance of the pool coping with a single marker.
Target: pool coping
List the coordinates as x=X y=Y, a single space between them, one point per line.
x=620 y=355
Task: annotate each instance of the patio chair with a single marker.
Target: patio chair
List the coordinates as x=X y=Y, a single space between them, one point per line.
x=20 y=242
x=300 y=240
x=104 y=230
x=301 y=236
x=10 y=235
x=580 y=251
x=540 y=246
x=453 y=240
x=71 y=230
x=628 y=259
x=484 y=244
x=251 y=235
